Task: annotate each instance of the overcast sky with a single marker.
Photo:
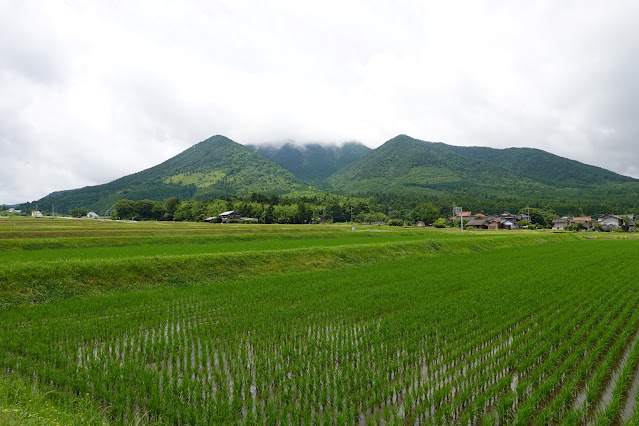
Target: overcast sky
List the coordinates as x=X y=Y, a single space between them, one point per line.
x=92 y=91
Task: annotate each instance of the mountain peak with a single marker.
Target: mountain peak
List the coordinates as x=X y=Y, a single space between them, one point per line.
x=215 y=167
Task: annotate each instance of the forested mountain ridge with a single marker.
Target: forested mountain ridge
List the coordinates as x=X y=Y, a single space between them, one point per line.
x=312 y=163
x=404 y=165
x=411 y=168
x=212 y=168
x=542 y=166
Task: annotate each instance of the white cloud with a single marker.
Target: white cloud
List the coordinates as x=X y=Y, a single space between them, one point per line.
x=93 y=91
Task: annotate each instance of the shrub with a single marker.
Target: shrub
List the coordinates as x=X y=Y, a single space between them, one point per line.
x=395 y=222
x=440 y=223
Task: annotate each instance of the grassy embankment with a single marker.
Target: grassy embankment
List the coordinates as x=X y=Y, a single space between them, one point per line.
x=45 y=260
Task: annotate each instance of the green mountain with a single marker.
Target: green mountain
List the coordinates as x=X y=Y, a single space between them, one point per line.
x=212 y=168
x=411 y=168
x=542 y=166
x=312 y=163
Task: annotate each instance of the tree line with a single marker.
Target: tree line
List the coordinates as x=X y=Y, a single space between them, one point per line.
x=276 y=209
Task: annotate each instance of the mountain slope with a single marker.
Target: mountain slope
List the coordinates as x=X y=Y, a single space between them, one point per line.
x=212 y=168
x=542 y=166
x=312 y=163
x=411 y=168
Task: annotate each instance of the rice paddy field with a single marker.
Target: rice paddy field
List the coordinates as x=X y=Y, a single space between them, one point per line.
x=163 y=323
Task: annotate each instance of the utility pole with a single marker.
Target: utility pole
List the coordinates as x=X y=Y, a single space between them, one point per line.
x=459 y=211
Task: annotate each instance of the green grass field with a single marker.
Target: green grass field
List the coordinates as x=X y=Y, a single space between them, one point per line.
x=120 y=323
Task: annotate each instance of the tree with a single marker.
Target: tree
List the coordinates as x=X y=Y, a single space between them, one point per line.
x=123 y=209
x=303 y=213
x=541 y=217
x=336 y=213
x=77 y=212
x=157 y=212
x=144 y=209
x=183 y=212
x=170 y=206
x=269 y=214
x=457 y=224
x=426 y=212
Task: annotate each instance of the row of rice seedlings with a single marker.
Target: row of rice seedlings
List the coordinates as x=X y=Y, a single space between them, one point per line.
x=623 y=375
x=539 y=353
x=584 y=404
x=632 y=411
x=449 y=389
x=497 y=366
x=596 y=347
x=551 y=383
x=551 y=401
x=600 y=408
x=525 y=388
x=519 y=364
x=428 y=376
x=485 y=378
x=567 y=374
x=490 y=365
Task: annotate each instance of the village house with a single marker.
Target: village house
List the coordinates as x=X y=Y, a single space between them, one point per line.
x=586 y=221
x=503 y=221
x=480 y=223
x=36 y=213
x=92 y=215
x=562 y=222
x=625 y=222
x=468 y=216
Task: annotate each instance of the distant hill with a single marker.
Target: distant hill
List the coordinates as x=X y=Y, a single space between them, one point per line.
x=312 y=163
x=212 y=168
x=412 y=168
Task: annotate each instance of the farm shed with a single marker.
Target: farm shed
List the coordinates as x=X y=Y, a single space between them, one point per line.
x=231 y=214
